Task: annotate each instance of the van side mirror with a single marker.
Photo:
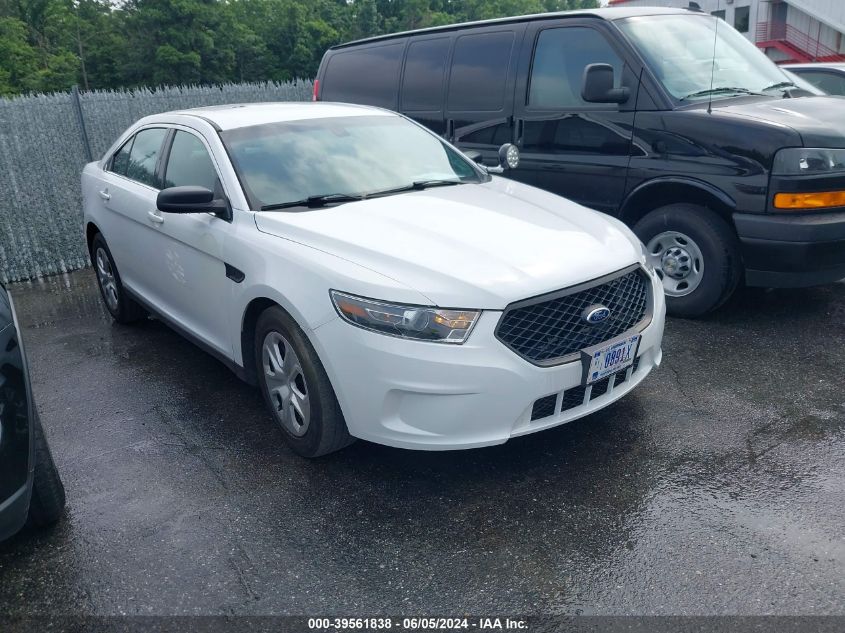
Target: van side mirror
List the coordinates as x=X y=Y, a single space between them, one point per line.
x=597 y=86
x=508 y=159
x=192 y=200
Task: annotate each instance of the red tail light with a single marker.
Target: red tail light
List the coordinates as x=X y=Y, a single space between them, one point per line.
x=316 y=95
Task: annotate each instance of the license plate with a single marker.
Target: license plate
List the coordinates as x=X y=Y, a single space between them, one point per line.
x=608 y=358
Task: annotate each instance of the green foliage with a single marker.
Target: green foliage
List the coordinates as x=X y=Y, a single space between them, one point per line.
x=49 y=45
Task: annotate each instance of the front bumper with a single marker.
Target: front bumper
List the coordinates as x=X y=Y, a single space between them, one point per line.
x=791 y=250
x=431 y=396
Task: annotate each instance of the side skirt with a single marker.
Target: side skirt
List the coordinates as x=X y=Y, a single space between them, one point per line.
x=239 y=371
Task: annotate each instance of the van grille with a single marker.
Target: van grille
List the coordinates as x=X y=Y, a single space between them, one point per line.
x=548 y=329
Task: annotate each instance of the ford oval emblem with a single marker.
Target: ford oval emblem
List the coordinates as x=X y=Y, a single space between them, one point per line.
x=595 y=314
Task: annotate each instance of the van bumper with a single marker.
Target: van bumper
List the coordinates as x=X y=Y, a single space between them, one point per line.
x=792 y=251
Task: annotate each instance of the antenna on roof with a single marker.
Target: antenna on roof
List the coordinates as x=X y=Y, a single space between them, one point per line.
x=694 y=6
x=713 y=63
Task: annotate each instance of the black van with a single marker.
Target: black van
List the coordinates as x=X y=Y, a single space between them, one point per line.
x=626 y=110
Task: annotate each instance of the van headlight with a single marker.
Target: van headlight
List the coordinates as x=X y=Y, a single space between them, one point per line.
x=799 y=161
x=406 y=321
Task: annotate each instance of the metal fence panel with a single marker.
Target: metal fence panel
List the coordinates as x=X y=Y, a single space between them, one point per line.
x=42 y=153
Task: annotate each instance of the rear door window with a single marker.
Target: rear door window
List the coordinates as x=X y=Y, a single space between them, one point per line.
x=189 y=163
x=369 y=76
x=480 y=72
x=560 y=57
x=143 y=157
x=425 y=66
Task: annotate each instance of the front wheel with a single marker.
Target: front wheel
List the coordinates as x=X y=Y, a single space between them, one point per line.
x=695 y=254
x=296 y=387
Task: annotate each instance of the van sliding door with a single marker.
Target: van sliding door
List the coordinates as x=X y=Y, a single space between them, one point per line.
x=480 y=85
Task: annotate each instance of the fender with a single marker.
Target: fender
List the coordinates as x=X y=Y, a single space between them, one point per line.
x=682 y=181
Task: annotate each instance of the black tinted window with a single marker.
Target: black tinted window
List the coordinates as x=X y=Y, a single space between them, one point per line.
x=425 y=65
x=189 y=163
x=121 y=158
x=832 y=83
x=741 y=19
x=144 y=155
x=559 y=62
x=369 y=76
x=497 y=134
x=479 y=72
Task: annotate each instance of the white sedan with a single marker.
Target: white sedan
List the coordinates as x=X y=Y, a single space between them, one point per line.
x=371 y=279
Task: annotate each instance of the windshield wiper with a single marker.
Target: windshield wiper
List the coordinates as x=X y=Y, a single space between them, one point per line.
x=417 y=185
x=720 y=90
x=313 y=202
x=780 y=85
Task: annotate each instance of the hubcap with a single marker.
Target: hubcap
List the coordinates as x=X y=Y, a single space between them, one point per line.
x=286 y=384
x=678 y=262
x=105 y=275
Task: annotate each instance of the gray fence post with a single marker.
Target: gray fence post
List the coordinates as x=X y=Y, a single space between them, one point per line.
x=77 y=106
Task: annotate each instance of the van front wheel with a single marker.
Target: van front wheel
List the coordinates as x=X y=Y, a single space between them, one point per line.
x=695 y=254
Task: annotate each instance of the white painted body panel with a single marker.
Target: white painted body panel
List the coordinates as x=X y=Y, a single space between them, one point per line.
x=474 y=246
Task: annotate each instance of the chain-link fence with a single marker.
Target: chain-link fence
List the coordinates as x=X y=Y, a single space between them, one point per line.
x=44 y=143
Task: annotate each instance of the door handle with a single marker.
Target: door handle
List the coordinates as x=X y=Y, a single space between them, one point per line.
x=154 y=217
x=105 y=195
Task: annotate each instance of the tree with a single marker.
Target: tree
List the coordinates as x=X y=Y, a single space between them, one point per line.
x=48 y=45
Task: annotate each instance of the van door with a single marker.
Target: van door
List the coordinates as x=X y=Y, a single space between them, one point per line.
x=480 y=88
x=576 y=149
x=424 y=81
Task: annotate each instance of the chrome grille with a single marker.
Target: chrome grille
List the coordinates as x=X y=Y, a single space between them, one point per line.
x=547 y=329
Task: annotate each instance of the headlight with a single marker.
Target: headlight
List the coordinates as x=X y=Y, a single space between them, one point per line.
x=798 y=161
x=415 y=322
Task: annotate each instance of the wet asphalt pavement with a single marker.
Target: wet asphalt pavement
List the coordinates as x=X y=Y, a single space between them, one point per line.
x=718 y=486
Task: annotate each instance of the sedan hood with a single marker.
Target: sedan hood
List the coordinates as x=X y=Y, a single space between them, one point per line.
x=818 y=120
x=467 y=246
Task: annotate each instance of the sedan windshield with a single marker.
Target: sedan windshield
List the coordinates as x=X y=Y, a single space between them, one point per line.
x=679 y=49
x=316 y=162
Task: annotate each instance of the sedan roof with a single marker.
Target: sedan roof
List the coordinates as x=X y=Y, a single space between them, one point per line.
x=817 y=65
x=237 y=115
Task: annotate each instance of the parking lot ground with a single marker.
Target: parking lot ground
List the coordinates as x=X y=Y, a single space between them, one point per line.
x=716 y=487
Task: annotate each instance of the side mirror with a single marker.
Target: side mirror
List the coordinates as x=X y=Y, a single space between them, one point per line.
x=192 y=200
x=597 y=86
x=508 y=159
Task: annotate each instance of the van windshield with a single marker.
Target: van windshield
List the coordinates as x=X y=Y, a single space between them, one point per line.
x=679 y=49
x=316 y=162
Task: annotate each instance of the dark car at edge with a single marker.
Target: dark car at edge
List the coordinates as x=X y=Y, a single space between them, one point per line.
x=30 y=487
x=725 y=177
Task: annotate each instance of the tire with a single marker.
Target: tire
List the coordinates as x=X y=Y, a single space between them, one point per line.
x=709 y=252
x=48 y=492
x=120 y=305
x=288 y=369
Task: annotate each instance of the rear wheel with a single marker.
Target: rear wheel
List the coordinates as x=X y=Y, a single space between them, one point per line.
x=296 y=388
x=695 y=254
x=120 y=305
x=48 y=492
